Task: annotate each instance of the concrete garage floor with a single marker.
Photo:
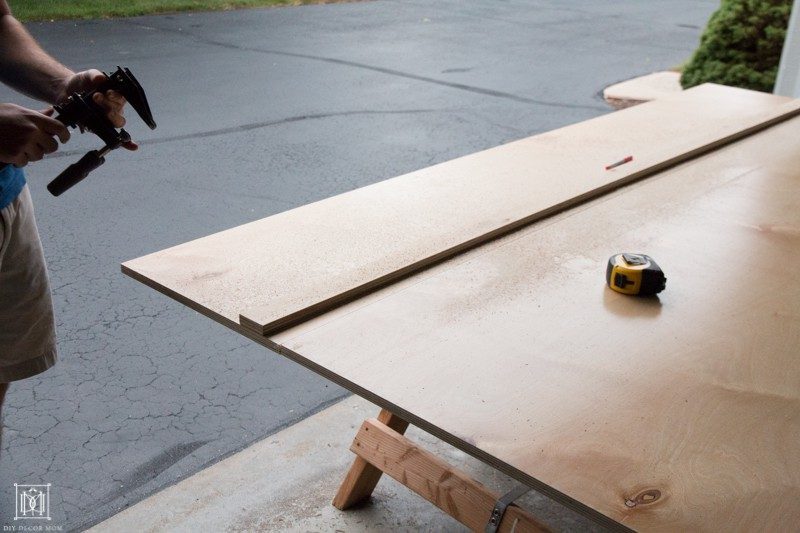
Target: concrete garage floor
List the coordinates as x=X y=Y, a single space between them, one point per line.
x=287 y=482
x=260 y=111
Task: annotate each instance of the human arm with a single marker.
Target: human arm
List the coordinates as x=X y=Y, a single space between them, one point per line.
x=26 y=67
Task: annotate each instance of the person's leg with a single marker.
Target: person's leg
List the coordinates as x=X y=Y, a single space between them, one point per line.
x=27 y=326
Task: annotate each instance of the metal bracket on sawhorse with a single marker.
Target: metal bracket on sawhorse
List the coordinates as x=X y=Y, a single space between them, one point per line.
x=501 y=505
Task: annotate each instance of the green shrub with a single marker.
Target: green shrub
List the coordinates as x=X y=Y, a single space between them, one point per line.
x=741 y=46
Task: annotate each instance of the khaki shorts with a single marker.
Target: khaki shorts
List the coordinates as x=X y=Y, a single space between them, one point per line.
x=27 y=328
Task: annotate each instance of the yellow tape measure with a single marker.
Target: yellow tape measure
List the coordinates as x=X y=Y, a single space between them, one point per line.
x=635 y=274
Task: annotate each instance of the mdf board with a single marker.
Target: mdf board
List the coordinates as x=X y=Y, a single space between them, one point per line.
x=278 y=271
x=675 y=413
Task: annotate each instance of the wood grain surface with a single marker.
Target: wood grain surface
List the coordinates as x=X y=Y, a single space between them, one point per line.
x=281 y=270
x=676 y=413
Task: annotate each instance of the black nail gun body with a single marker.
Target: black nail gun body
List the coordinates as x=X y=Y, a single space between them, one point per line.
x=80 y=111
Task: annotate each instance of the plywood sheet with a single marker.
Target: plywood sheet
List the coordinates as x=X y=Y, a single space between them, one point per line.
x=677 y=413
x=283 y=269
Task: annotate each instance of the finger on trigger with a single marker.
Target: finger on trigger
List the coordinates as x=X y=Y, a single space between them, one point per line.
x=97 y=77
x=47 y=143
x=34 y=152
x=108 y=104
x=52 y=127
x=59 y=130
x=116 y=103
x=115 y=96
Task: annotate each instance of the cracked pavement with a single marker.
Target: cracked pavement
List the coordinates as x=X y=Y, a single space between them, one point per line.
x=260 y=111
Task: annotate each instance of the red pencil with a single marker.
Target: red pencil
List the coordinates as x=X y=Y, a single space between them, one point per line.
x=618 y=163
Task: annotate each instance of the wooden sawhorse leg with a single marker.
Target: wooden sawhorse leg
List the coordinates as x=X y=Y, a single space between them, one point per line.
x=381 y=448
x=362 y=477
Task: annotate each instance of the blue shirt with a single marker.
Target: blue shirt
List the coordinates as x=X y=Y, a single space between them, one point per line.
x=12 y=180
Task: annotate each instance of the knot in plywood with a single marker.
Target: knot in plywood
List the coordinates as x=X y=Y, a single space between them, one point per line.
x=646 y=497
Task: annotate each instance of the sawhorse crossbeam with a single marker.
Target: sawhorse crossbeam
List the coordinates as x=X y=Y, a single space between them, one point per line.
x=380 y=447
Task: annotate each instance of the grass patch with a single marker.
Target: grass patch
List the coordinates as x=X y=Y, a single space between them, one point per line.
x=30 y=10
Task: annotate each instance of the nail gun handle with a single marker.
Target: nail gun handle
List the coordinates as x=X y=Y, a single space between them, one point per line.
x=75 y=172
